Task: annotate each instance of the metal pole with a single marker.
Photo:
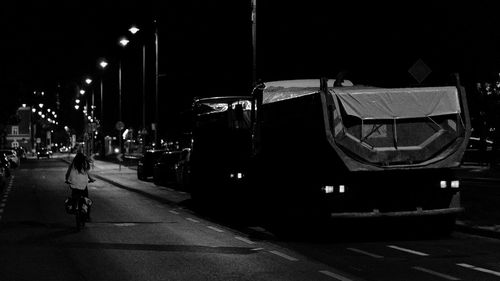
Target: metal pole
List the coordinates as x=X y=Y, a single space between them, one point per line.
x=156 y=82
x=254 y=42
x=102 y=108
x=144 y=86
x=120 y=90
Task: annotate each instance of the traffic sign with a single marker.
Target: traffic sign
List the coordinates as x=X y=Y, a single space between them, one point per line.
x=119 y=125
x=419 y=70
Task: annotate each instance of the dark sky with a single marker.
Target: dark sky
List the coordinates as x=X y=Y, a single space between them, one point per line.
x=205 y=47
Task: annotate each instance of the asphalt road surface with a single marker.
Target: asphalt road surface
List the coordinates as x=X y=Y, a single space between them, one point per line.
x=136 y=237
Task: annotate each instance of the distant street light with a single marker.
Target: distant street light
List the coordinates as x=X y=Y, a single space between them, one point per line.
x=77 y=106
x=40 y=105
x=88 y=81
x=134 y=29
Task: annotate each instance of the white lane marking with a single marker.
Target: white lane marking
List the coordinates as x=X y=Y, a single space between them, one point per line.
x=2 y=205
x=442 y=275
x=192 y=220
x=244 y=240
x=215 y=228
x=285 y=256
x=365 y=253
x=1 y=211
x=4 y=200
x=408 y=250
x=496 y=273
x=174 y=212
x=257 y=249
x=335 y=275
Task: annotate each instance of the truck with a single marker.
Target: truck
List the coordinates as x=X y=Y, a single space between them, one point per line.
x=221 y=148
x=317 y=148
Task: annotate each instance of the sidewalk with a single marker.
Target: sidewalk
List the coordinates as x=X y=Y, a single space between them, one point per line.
x=481 y=203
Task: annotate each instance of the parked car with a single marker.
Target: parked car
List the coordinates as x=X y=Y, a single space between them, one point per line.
x=164 y=169
x=182 y=168
x=43 y=152
x=12 y=157
x=146 y=162
x=4 y=165
x=64 y=149
x=21 y=152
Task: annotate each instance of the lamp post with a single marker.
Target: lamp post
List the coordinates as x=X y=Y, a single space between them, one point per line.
x=102 y=64
x=134 y=30
x=91 y=130
x=156 y=82
x=123 y=42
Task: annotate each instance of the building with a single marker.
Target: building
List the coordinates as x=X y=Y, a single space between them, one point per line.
x=20 y=134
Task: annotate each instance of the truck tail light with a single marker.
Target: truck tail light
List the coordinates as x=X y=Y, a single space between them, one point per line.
x=455 y=184
x=443 y=184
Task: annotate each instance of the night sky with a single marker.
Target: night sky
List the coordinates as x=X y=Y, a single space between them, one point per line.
x=205 y=48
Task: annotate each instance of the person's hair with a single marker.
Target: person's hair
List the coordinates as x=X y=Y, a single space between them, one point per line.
x=81 y=163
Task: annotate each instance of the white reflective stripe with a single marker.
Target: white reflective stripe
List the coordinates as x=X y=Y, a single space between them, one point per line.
x=192 y=220
x=285 y=256
x=215 y=229
x=335 y=275
x=496 y=273
x=442 y=275
x=365 y=253
x=408 y=250
x=244 y=240
x=174 y=212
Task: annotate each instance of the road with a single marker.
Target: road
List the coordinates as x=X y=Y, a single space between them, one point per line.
x=138 y=237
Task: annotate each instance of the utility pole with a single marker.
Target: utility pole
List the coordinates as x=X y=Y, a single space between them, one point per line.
x=254 y=42
x=156 y=83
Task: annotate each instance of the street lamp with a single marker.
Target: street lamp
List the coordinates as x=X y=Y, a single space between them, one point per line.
x=102 y=64
x=123 y=42
x=134 y=30
x=156 y=82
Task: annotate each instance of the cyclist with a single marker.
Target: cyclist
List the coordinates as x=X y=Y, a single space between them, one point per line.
x=78 y=176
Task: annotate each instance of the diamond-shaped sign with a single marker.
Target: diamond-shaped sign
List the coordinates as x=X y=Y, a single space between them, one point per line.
x=419 y=70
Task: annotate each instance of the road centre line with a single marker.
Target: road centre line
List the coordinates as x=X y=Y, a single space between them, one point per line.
x=174 y=212
x=244 y=240
x=365 y=253
x=408 y=250
x=435 y=273
x=335 y=275
x=496 y=273
x=285 y=256
x=215 y=228
x=2 y=205
x=192 y=220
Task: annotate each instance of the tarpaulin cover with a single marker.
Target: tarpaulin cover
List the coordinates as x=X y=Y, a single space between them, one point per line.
x=381 y=103
x=288 y=89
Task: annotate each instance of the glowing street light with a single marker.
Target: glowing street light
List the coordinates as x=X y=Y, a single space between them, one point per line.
x=77 y=106
x=123 y=41
x=40 y=105
x=82 y=92
x=133 y=29
x=88 y=81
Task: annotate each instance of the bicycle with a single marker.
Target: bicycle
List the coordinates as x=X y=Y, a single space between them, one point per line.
x=80 y=208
